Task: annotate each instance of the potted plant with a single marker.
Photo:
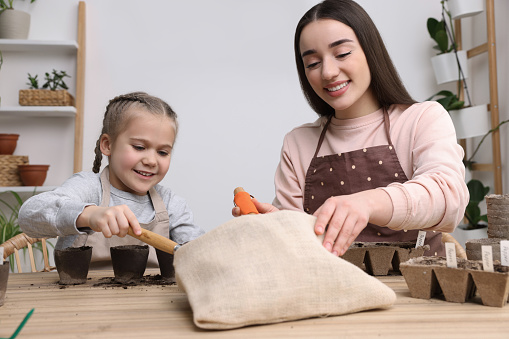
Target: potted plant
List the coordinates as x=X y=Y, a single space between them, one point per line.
x=52 y=93
x=9 y=227
x=469 y=121
x=14 y=24
x=449 y=62
x=464 y=8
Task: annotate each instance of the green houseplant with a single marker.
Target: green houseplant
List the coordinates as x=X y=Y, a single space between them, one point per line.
x=53 y=91
x=9 y=220
x=9 y=226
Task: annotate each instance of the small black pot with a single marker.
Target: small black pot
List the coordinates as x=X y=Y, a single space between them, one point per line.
x=165 y=261
x=129 y=262
x=4 y=276
x=73 y=264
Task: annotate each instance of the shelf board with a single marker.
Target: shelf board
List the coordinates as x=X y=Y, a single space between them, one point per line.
x=27 y=189
x=20 y=45
x=38 y=111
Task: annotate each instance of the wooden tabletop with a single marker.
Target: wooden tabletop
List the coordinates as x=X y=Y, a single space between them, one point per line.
x=100 y=310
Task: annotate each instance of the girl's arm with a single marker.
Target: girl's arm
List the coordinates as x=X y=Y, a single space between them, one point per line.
x=54 y=213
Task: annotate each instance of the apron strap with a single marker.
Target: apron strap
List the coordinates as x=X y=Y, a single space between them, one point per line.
x=105 y=185
x=322 y=136
x=387 y=124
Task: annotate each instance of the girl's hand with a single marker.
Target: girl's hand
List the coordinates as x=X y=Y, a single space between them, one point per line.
x=114 y=220
x=347 y=215
x=262 y=208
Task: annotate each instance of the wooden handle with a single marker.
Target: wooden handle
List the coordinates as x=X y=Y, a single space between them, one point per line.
x=243 y=200
x=156 y=240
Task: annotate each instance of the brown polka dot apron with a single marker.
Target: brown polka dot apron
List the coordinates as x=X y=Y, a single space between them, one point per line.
x=101 y=258
x=356 y=171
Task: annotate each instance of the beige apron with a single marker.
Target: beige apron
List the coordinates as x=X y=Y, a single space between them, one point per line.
x=101 y=258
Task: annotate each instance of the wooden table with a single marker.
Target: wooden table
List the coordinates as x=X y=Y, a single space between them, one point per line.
x=158 y=311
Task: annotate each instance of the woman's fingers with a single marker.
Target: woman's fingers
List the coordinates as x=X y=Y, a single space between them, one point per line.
x=344 y=219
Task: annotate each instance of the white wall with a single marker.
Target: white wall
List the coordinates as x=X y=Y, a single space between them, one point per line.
x=226 y=67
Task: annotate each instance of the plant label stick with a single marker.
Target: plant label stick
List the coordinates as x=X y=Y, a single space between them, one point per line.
x=1 y=255
x=504 y=252
x=450 y=251
x=487 y=258
x=420 y=239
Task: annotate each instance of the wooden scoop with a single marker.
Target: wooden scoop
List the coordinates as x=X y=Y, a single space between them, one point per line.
x=156 y=240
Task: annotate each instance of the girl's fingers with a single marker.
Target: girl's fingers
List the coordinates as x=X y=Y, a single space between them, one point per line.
x=132 y=222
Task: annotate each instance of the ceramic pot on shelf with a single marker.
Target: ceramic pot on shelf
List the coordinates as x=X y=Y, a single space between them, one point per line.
x=465 y=8
x=14 y=24
x=33 y=175
x=445 y=66
x=472 y=121
x=8 y=143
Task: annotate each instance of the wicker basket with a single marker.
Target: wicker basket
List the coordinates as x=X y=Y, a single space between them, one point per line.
x=9 y=174
x=45 y=97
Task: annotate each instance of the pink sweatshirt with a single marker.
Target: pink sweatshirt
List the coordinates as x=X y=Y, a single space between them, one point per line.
x=434 y=197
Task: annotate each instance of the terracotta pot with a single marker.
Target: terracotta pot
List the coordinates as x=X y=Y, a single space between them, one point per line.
x=4 y=276
x=33 y=175
x=129 y=262
x=72 y=264
x=8 y=143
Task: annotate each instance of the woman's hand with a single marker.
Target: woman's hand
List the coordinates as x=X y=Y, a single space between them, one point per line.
x=262 y=208
x=114 y=220
x=347 y=215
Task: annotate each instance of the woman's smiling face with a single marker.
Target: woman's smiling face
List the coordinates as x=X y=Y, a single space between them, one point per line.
x=336 y=68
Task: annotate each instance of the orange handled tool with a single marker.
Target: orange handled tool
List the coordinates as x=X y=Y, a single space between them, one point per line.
x=156 y=240
x=243 y=200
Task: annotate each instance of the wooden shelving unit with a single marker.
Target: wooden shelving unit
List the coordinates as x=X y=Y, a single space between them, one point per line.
x=74 y=49
x=489 y=47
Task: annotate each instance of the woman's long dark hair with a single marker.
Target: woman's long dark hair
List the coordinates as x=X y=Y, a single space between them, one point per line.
x=385 y=81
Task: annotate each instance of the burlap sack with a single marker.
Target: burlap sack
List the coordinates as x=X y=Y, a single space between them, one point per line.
x=260 y=269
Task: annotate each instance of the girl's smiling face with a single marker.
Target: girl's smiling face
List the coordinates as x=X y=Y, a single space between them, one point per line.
x=140 y=156
x=336 y=68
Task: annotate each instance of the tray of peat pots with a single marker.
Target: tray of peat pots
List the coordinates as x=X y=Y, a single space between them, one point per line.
x=428 y=277
x=382 y=258
x=129 y=263
x=72 y=264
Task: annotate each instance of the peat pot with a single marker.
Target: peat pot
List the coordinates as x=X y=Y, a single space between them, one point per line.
x=380 y=258
x=165 y=261
x=428 y=277
x=4 y=276
x=72 y=264
x=129 y=262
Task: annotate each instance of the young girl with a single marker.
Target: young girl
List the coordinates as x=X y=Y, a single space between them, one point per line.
x=96 y=210
x=376 y=165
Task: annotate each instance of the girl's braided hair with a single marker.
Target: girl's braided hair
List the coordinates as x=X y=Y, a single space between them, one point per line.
x=115 y=117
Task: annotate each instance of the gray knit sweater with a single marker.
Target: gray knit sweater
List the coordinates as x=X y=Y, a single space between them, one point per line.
x=54 y=213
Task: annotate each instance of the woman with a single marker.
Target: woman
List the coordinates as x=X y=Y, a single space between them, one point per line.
x=376 y=165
